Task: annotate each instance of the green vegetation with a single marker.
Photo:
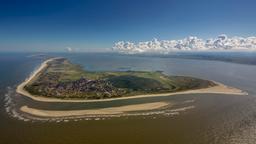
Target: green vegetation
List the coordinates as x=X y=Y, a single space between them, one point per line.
x=63 y=79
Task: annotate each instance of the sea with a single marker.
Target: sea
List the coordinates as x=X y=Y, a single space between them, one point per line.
x=190 y=119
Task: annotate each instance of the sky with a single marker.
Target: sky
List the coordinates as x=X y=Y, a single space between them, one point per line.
x=96 y=25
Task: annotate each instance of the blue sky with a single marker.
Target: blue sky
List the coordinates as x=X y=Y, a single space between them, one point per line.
x=95 y=25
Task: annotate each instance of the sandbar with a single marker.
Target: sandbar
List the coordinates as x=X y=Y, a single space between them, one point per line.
x=101 y=111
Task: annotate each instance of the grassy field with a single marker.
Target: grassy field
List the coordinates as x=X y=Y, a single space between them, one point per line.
x=65 y=80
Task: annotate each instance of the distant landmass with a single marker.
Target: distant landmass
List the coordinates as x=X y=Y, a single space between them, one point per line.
x=234 y=57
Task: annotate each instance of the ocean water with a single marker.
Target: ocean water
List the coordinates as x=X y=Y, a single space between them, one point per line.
x=194 y=119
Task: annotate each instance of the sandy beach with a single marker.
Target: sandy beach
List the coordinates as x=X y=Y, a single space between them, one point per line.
x=102 y=111
x=218 y=89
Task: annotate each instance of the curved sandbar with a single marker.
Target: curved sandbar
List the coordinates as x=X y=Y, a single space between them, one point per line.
x=102 y=111
x=217 y=89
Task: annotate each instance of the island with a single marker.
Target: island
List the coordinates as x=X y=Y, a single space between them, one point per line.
x=59 y=80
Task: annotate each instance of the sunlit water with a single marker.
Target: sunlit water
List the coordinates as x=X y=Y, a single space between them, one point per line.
x=197 y=118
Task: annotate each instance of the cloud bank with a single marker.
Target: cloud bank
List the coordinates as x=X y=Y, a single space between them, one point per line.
x=191 y=43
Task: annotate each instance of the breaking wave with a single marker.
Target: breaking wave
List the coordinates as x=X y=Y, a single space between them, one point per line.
x=11 y=105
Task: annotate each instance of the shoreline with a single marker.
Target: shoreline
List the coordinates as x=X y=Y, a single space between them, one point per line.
x=218 y=89
x=100 y=111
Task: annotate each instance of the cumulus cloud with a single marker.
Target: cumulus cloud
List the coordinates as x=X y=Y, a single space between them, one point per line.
x=69 y=49
x=191 y=43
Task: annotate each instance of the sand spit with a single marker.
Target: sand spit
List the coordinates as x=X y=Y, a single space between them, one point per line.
x=102 y=111
x=218 y=89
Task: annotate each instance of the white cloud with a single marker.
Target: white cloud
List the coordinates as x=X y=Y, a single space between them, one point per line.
x=69 y=49
x=191 y=43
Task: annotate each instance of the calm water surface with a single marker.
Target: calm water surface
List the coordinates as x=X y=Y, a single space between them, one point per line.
x=214 y=118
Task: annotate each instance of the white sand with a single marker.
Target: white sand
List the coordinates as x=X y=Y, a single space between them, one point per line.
x=20 y=89
x=218 y=89
x=102 y=111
